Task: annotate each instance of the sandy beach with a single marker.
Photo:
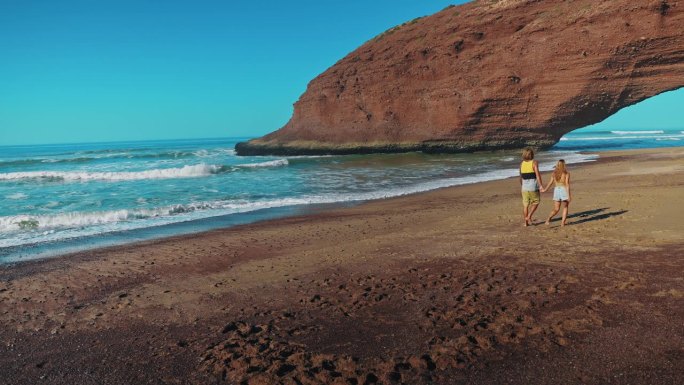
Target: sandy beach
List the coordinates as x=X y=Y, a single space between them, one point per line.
x=444 y=287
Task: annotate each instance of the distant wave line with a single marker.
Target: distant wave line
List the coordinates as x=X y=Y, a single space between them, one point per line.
x=270 y=163
x=119 y=154
x=638 y=132
x=565 y=138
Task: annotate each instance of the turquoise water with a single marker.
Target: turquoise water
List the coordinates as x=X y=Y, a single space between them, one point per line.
x=59 y=198
x=593 y=140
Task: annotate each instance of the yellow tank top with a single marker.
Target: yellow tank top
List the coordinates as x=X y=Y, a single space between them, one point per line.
x=526 y=166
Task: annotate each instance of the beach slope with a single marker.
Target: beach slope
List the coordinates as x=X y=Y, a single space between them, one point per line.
x=444 y=287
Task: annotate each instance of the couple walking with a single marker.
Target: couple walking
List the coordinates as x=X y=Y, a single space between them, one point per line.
x=531 y=184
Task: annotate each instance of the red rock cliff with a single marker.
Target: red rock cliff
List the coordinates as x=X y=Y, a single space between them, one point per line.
x=488 y=75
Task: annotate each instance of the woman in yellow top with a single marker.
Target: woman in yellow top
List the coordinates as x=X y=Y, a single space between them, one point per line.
x=561 y=192
x=530 y=181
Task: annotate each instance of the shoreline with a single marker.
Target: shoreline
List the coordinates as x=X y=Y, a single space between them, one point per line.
x=121 y=238
x=126 y=238
x=443 y=286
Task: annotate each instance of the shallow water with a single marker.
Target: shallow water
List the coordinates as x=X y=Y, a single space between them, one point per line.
x=57 y=198
x=592 y=140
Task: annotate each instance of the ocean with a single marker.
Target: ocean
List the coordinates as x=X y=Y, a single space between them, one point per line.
x=590 y=140
x=72 y=197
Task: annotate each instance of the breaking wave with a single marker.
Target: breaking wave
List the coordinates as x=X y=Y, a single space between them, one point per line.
x=87 y=219
x=189 y=171
x=193 y=171
x=184 y=212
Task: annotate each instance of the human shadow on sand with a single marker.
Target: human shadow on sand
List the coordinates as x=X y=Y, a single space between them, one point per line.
x=591 y=215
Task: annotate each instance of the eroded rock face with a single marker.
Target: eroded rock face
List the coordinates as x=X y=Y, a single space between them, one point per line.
x=488 y=75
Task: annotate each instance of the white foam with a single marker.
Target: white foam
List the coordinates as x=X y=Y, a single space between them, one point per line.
x=21 y=229
x=85 y=219
x=270 y=163
x=193 y=171
x=570 y=157
x=309 y=156
x=638 y=132
x=75 y=219
x=619 y=137
x=188 y=171
x=596 y=138
x=16 y=196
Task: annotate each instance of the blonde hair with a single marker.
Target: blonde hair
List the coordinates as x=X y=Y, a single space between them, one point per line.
x=559 y=170
x=528 y=154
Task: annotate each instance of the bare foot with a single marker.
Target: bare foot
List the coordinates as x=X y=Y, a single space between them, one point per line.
x=548 y=222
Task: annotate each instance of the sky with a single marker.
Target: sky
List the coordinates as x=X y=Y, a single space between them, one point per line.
x=661 y=112
x=93 y=71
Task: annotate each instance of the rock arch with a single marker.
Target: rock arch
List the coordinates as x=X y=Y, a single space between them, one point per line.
x=487 y=75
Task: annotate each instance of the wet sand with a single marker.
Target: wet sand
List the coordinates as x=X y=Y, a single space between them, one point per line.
x=444 y=287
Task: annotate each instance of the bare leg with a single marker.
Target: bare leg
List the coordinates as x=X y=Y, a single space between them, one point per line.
x=532 y=209
x=565 y=212
x=556 y=208
x=525 y=208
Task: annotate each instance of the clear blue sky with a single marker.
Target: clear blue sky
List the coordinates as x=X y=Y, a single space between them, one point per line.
x=84 y=71
x=661 y=112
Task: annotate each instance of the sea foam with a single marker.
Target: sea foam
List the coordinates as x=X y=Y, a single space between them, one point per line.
x=95 y=156
x=16 y=196
x=190 y=171
x=638 y=132
x=270 y=163
x=612 y=138
x=73 y=224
